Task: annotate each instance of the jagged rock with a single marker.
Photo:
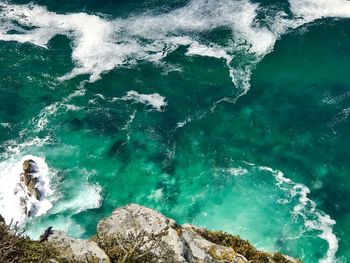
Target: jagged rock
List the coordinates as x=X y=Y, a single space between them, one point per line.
x=2 y=220
x=30 y=166
x=37 y=194
x=183 y=242
x=26 y=165
x=32 y=183
x=26 y=178
x=46 y=234
x=23 y=204
x=29 y=180
x=76 y=250
x=138 y=234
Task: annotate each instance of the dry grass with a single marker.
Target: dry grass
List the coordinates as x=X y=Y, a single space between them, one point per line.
x=242 y=247
x=136 y=247
x=15 y=247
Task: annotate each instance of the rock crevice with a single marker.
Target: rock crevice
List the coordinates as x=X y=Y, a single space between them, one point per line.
x=134 y=233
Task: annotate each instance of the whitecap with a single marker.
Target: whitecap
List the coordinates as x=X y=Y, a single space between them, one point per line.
x=100 y=45
x=88 y=196
x=72 y=107
x=236 y=171
x=310 y=10
x=154 y=100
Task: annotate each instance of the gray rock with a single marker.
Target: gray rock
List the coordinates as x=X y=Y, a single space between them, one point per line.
x=28 y=184
x=182 y=242
x=77 y=250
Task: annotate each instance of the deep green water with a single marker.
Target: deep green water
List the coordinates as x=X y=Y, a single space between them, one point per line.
x=270 y=163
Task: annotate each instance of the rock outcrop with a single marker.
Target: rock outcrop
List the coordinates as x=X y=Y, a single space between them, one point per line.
x=29 y=183
x=136 y=234
x=28 y=178
x=166 y=240
x=182 y=242
x=76 y=250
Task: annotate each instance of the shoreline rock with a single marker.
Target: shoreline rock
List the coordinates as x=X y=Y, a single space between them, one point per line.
x=135 y=234
x=76 y=250
x=175 y=243
x=28 y=178
x=28 y=182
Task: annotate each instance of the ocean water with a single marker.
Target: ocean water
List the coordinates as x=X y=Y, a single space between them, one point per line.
x=227 y=114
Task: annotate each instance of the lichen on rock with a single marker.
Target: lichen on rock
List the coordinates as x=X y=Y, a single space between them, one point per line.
x=137 y=234
x=184 y=243
x=77 y=250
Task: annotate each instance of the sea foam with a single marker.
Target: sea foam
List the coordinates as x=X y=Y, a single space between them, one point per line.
x=99 y=44
x=154 y=100
x=313 y=218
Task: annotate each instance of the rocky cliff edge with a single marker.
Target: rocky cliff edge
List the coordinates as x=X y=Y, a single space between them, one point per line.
x=134 y=233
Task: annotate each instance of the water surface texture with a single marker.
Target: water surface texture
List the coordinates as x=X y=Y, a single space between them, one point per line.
x=226 y=114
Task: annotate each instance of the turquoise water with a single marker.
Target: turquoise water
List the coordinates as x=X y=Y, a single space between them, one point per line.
x=231 y=115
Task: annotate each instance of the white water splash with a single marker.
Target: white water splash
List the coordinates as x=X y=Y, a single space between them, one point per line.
x=11 y=193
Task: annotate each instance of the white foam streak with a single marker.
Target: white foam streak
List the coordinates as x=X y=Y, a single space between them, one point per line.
x=14 y=148
x=155 y=100
x=100 y=45
x=5 y=124
x=87 y=197
x=311 y=10
x=314 y=219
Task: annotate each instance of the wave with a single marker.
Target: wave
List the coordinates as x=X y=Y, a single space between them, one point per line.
x=54 y=201
x=86 y=197
x=313 y=218
x=100 y=44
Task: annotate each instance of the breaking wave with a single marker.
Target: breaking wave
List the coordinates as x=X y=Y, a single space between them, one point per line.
x=101 y=44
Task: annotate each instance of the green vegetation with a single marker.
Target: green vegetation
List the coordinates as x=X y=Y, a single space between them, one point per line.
x=16 y=247
x=241 y=246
